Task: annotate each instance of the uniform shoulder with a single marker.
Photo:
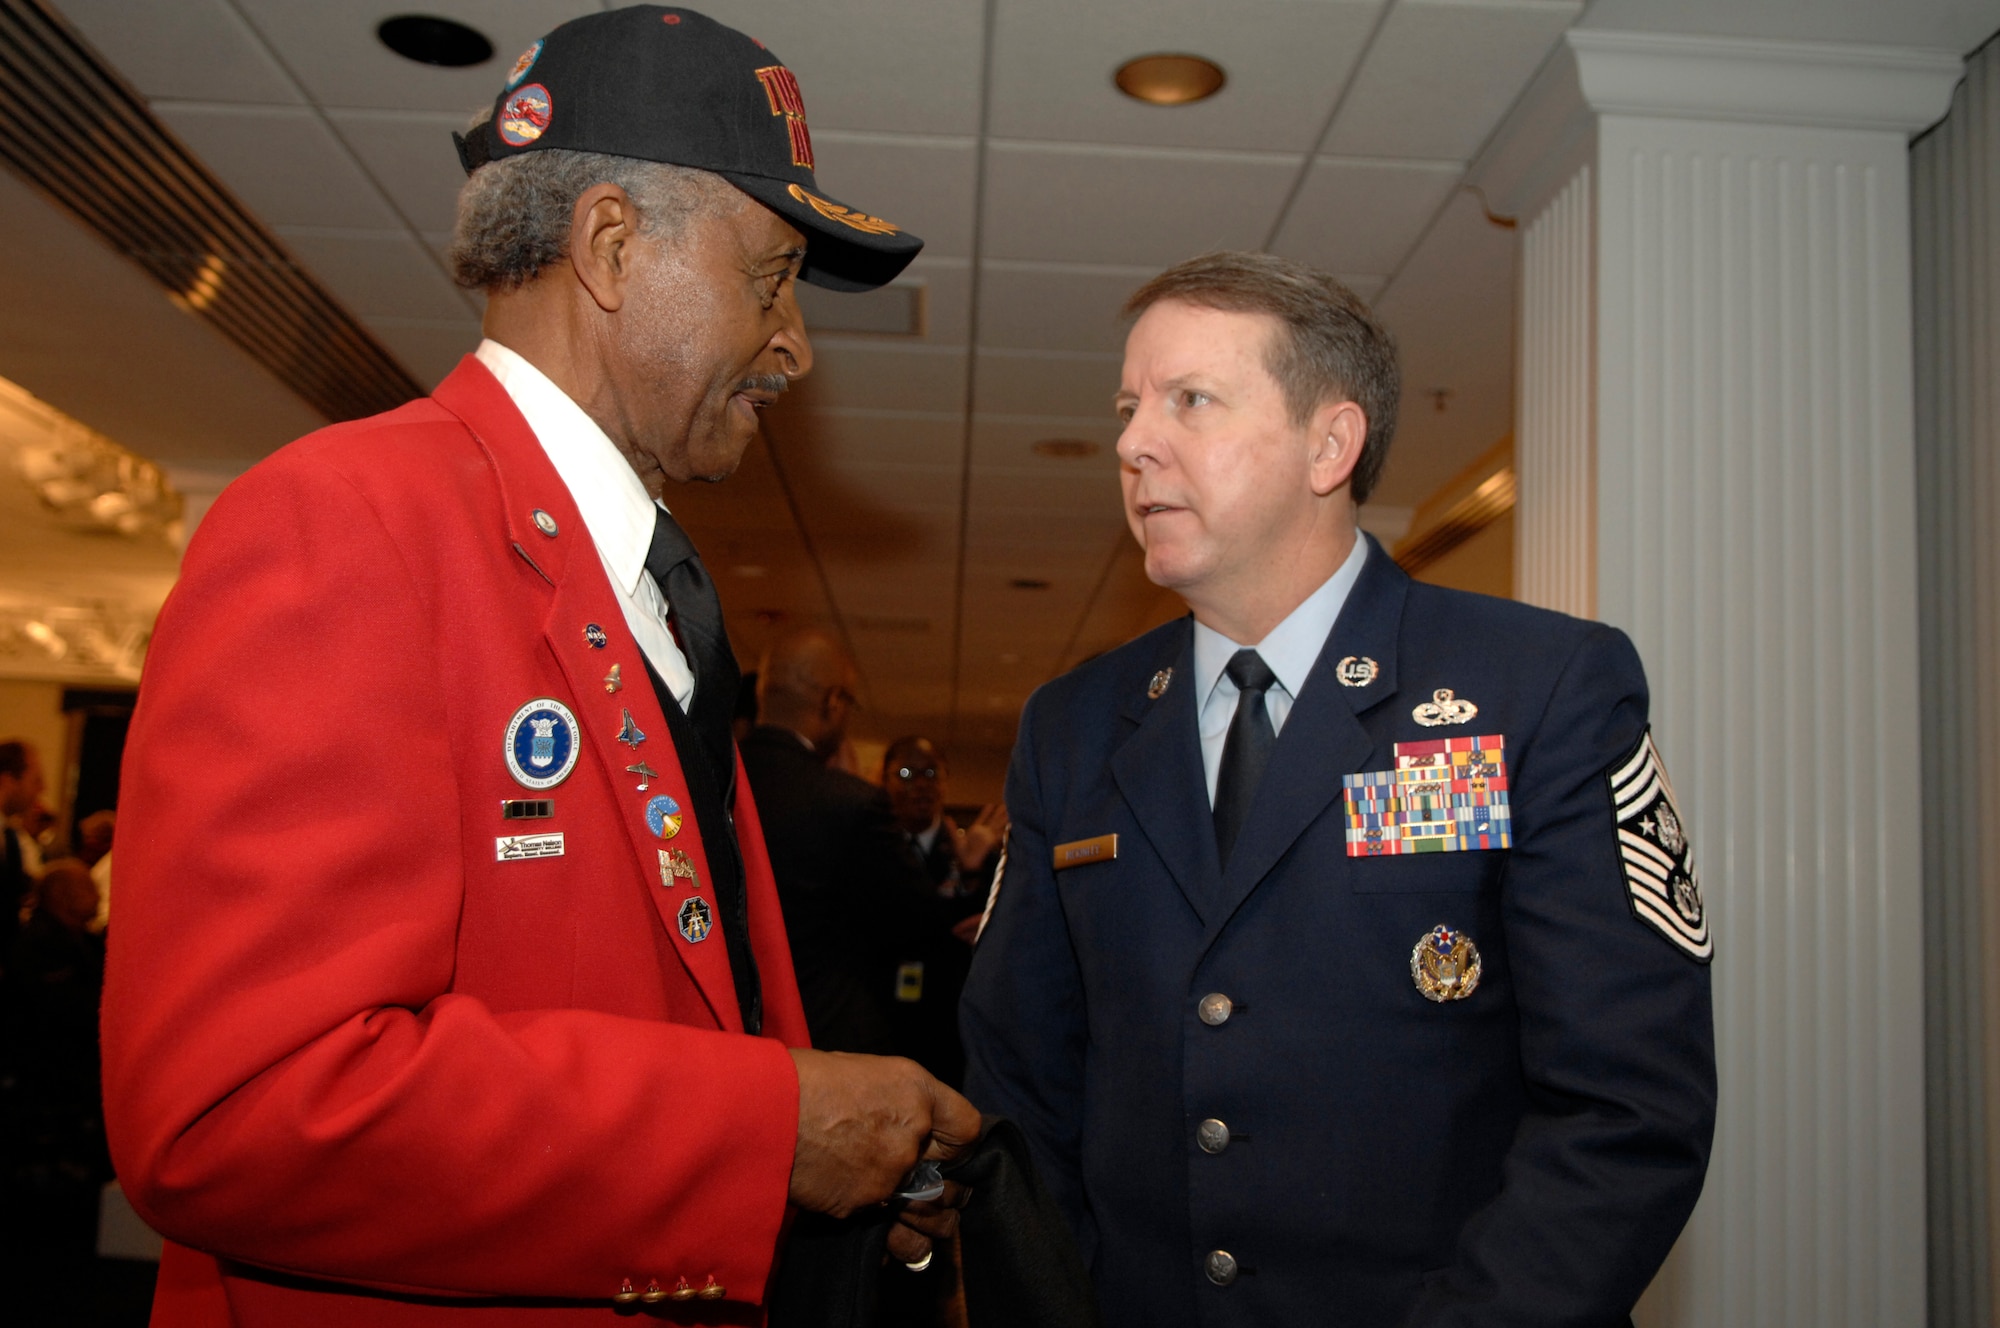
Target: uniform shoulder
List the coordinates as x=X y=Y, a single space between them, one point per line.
x=1107 y=680
x=411 y=435
x=1466 y=613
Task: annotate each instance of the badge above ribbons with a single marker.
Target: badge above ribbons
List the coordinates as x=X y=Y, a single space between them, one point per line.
x=541 y=746
x=1660 y=877
x=1445 y=795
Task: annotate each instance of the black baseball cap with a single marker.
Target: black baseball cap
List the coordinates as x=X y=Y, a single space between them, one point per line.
x=670 y=85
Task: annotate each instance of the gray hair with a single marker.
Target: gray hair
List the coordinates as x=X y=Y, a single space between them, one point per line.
x=514 y=214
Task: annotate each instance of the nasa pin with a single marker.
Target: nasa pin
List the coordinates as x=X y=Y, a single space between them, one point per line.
x=541 y=744
x=695 y=918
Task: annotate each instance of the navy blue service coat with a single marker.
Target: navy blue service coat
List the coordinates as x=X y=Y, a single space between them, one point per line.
x=1523 y=1156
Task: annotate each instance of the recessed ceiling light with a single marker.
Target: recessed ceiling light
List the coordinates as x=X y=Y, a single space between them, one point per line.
x=1169 y=80
x=752 y=570
x=1067 y=449
x=434 y=41
x=1028 y=583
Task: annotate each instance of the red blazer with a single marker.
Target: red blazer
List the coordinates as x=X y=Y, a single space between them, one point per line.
x=356 y=1068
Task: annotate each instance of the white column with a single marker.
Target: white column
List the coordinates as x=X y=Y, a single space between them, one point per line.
x=1716 y=381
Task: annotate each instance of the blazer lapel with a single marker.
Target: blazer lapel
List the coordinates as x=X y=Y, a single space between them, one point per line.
x=1159 y=772
x=582 y=597
x=1323 y=737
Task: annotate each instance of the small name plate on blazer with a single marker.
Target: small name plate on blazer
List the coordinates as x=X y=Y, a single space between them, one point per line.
x=1079 y=851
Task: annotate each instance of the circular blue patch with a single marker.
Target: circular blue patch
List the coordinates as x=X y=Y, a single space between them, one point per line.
x=594 y=637
x=524 y=116
x=663 y=817
x=524 y=64
x=541 y=744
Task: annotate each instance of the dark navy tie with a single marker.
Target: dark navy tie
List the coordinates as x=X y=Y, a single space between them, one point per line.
x=1247 y=749
x=696 y=614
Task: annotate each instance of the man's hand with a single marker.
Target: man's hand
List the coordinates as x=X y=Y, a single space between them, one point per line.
x=976 y=842
x=864 y=1121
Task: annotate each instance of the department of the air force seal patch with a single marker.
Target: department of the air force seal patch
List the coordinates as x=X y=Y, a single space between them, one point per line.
x=1660 y=876
x=1445 y=964
x=541 y=744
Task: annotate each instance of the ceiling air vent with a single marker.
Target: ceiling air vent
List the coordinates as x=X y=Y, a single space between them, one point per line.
x=88 y=141
x=899 y=309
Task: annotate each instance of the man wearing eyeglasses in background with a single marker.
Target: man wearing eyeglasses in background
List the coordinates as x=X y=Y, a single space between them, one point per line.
x=958 y=863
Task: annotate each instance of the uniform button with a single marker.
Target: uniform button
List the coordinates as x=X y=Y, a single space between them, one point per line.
x=1220 y=1267
x=682 y=1291
x=713 y=1291
x=626 y=1293
x=1216 y=1009
x=1212 y=1135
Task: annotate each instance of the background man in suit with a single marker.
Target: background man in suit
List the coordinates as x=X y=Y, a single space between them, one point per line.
x=449 y=978
x=1349 y=964
x=846 y=880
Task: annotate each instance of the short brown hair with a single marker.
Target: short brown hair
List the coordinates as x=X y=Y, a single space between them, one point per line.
x=1332 y=347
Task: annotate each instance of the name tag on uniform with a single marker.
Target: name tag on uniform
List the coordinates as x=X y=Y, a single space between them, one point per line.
x=519 y=848
x=1079 y=851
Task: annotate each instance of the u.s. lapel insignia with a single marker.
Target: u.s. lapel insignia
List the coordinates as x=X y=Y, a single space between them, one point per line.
x=663 y=816
x=1356 y=671
x=1157 y=688
x=676 y=866
x=629 y=734
x=695 y=918
x=1660 y=877
x=1443 y=708
x=541 y=747
x=1445 y=964
x=612 y=680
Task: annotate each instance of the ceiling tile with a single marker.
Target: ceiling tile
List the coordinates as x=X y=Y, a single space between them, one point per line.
x=1056 y=306
x=1138 y=206
x=875 y=376
x=428 y=348
x=1363 y=216
x=947 y=298
x=200 y=50
x=922 y=184
x=1023 y=507
x=1002 y=444
x=1441 y=75
x=897 y=505
x=834 y=441
x=883 y=65
x=1023 y=383
x=333 y=50
x=376 y=273
x=411 y=157
x=284 y=162
x=1053 y=62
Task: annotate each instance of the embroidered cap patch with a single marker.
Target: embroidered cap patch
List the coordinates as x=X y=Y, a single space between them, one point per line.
x=1660 y=876
x=1445 y=795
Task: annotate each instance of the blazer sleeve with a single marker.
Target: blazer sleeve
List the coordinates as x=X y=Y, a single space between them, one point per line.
x=1022 y=1016
x=290 y=1080
x=1616 y=1040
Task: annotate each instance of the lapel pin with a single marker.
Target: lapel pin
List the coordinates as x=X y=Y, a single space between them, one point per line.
x=1443 y=708
x=612 y=682
x=541 y=747
x=1357 y=671
x=629 y=734
x=1161 y=681
x=675 y=863
x=695 y=918
x=1445 y=965
x=544 y=522
x=645 y=772
x=594 y=637
x=663 y=816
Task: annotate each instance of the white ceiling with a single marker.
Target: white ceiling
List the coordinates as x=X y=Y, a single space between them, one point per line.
x=898 y=495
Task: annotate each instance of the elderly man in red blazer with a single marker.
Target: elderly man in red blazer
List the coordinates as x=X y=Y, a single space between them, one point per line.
x=449 y=982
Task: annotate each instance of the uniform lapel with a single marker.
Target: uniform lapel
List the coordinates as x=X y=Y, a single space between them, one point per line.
x=1323 y=738
x=1159 y=771
x=582 y=597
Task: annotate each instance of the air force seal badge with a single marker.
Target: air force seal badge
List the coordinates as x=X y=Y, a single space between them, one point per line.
x=541 y=746
x=1660 y=878
x=1445 y=965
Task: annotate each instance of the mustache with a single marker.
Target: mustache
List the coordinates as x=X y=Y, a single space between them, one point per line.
x=772 y=383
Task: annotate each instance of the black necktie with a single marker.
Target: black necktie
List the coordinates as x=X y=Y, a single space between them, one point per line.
x=1246 y=750
x=697 y=613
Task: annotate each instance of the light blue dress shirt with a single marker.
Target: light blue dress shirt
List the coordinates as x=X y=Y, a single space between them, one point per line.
x=1290 y=650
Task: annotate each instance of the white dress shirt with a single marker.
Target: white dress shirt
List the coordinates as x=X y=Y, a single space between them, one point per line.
x=1290 y=651
x=616 y=509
